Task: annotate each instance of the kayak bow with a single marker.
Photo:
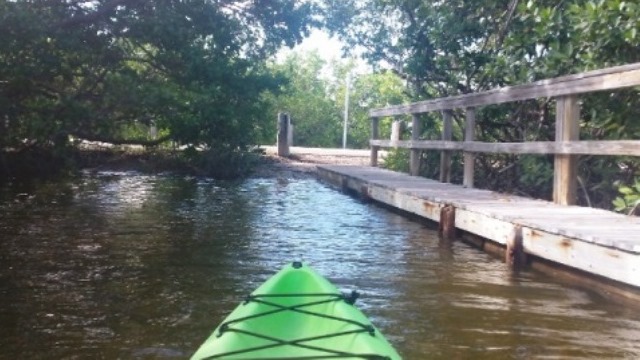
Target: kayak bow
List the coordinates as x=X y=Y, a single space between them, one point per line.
x=296 y=314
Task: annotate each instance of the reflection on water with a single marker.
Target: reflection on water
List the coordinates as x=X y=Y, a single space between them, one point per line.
x=120 y=265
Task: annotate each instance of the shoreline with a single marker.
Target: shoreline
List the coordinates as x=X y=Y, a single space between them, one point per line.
x=42 y=165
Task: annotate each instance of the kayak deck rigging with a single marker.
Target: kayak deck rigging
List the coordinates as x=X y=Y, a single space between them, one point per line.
x=274 y=325
x=328 y=297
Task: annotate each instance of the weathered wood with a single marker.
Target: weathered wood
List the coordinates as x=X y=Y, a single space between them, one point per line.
x=614 y=291
x=447 y=226
x=514 y=254
x=607 y=262
x=375 y=131
x=565 y=175
x=606 y=147
x=396 y=130
x=594 y=241
x=283 y=134
x=289 y=133
x=483 y=224
x=407 y=202
x=599 y=80
x=419 y=144
x=445 y=156
x=566 y=147
x=469 y=158
x=414 y=156
x=587 y=147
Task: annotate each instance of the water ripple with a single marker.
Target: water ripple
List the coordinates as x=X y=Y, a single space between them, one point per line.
x=123 y=265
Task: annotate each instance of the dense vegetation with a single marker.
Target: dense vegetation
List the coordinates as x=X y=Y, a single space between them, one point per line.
x=445 y=48
x=315 y=99
x=106 y=70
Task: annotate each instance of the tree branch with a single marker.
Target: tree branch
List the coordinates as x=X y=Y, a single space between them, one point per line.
x=113 y=141
x=503 y=32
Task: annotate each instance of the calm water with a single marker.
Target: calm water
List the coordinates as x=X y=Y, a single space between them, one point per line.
x=122 y=265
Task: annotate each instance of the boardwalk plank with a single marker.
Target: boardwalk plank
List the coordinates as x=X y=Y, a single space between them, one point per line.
x=592 y=240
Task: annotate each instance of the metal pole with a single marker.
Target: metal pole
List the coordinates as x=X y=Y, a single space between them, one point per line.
x=346 y=112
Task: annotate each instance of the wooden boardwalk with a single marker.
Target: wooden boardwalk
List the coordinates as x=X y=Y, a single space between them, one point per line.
x=594 y=241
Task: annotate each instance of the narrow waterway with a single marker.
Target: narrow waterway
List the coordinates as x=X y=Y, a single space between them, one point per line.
x=130 y=266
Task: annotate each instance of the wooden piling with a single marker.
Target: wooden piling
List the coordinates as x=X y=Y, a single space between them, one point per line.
x=515 y=256
x=447 y=226
x=283 y=134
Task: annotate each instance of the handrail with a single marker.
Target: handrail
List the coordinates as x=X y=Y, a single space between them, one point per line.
x=566 y=147
x=598 y=80
x=593 y=147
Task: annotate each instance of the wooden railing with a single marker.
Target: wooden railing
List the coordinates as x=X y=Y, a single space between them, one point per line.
x=566 y=147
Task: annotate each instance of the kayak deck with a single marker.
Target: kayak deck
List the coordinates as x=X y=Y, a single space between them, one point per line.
x=296 y=314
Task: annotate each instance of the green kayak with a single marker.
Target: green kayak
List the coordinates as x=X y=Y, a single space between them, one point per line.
x=296 y=314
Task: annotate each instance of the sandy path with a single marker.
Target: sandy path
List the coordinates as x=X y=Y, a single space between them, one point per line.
x=303 y=161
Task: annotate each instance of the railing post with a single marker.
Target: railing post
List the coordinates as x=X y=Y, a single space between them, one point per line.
x=283 y=134
x=469 y=158
x=375 y=134
x=445 y=156
x=414 y=157
x=396 y=129
x=565 y=174
x=289 y=131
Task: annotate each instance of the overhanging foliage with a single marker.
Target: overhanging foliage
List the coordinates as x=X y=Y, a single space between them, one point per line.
x=93 y=68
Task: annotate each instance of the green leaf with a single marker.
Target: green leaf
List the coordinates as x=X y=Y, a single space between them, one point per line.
x=625 y=190
x=619 y=204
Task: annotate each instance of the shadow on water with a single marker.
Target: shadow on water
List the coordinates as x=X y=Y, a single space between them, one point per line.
x=123 y=265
